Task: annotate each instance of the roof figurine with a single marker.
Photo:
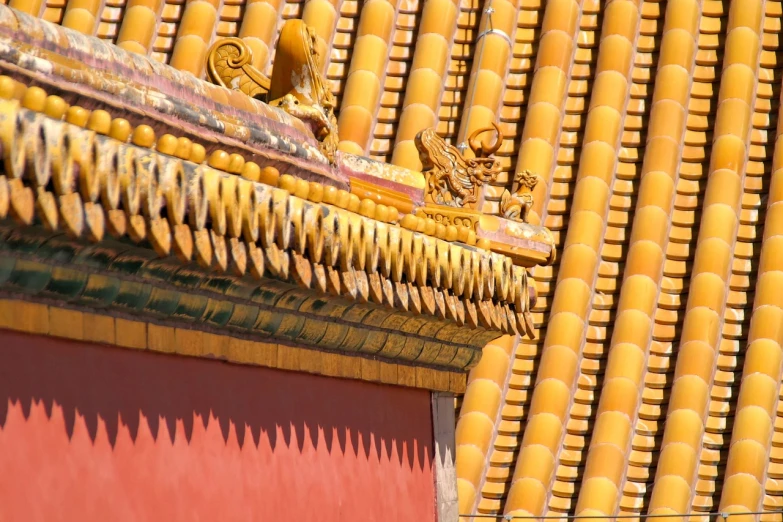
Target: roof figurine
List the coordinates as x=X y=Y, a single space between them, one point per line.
x=517 y=206
x=453 y=180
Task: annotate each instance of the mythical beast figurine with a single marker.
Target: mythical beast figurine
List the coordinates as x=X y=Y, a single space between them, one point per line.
x=296 y=86
x=516 y=207
x=452 y=179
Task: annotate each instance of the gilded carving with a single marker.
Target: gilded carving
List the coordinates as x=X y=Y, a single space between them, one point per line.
x=297 y=86
x=452 y=179
x=517 y=206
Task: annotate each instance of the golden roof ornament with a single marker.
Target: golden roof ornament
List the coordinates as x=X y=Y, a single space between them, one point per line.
x=229 y=64
x=297 y=86
x=452 y=179
x=516 y=206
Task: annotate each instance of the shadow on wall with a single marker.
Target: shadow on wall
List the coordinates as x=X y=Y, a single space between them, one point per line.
x=116 y=387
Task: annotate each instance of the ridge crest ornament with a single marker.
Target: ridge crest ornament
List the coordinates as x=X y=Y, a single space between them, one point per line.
x=296 y=87
x=229 y=64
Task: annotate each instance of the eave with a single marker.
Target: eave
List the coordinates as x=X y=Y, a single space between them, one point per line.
x=94 y=223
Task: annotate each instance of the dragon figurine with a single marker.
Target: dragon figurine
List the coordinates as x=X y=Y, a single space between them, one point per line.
x=517 y=206
x=452 y=179
x=297 y=86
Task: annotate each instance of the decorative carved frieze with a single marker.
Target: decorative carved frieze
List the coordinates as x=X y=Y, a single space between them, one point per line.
x=447 y=216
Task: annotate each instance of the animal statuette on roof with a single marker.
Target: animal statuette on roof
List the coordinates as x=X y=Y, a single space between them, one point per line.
x=516 y=206
x=297 y=86
x=452 y=179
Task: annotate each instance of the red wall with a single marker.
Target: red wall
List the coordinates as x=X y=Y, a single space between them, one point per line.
x=94 y=433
